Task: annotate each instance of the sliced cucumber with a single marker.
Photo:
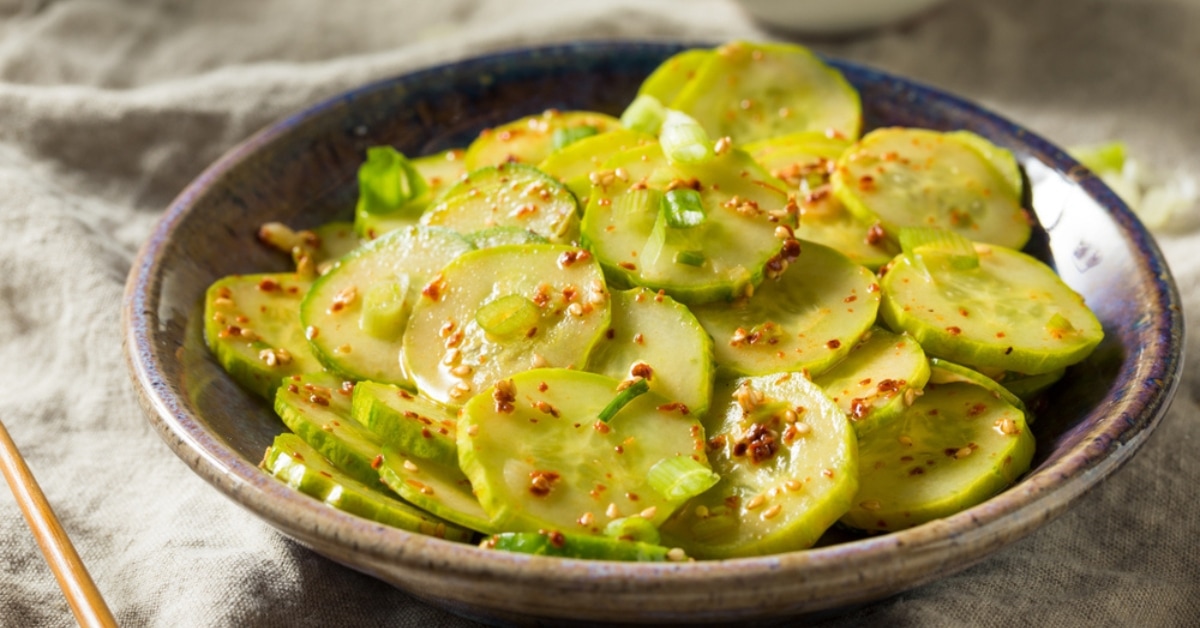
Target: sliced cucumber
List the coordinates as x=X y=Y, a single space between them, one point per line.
x=751 y=92
x=906 y=177
x=627 y=229
x=452 y=355
x=438 y=488
x=878 y=379
x=512 y=195
x=354 y=315
x=316 y=406
x=955 y=447
x=655 y=330
x=252 y=326
x=413 y=425
x=334 y=240
x=946 y=372
x=786 y=455
x=531 y=139
x=497 y=236
x=555 y=543
x=805 y=162
x=1009 y=312
x=440 y=171
x=809 y=319
x=671 y=76
x=575 y=163
x=540 y=458
x=303 y=468
x=1026 y=387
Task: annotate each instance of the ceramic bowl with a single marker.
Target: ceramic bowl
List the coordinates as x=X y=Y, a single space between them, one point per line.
x=821 y=17
x=302 y=171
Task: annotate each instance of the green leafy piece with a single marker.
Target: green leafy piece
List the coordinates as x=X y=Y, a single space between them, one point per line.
x=635 y=528
x=510 y=314
x=387 y=181
x=684 y=208
x=633 y=391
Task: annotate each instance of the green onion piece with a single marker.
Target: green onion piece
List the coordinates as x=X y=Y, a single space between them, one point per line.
x=683 y=140
x=507 y=316
x=680 y=478
x=564 y=137
x=387 y=181
x=657 y=241
x=929 y=243
x=385 y=309
x=644 y=114
x=633 y=528
x=690 y=258
x=632 y=204
x=635 y=390
x=684 y=208
x=1102 y=159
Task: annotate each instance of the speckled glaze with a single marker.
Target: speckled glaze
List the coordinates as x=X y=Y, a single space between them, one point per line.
x=302 y=171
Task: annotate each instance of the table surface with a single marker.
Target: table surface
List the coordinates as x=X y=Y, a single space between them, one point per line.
x=109 y=108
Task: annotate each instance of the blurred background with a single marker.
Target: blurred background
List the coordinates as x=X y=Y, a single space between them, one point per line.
x=108 y=108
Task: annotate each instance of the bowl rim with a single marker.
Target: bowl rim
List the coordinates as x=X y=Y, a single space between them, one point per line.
x=1036 y=498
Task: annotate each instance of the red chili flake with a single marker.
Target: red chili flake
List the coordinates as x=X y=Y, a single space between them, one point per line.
x=834 y=344
x=377 y=462
x=504 y=394
x=319 y=400
x=917 y=471
x=610 y=334
x=716 y=442
x=976 y=409
x=628 y=265
x=292 y=388
x=404 y=394
x=638 y=338
x=543 y=387
x=531 y=333
x=557 y=539
x=953 y=330
x=433 y=290
x=876 y=235
x=890 y=385
x=859 y=408
x=268 y=285
x=674 y=406
x=568 y=258
x=425 y=433
x=602 y=427
x=759 y=442
x=541 y=482
x=850 y=299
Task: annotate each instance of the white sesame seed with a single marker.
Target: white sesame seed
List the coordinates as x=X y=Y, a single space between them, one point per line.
x=612 y=512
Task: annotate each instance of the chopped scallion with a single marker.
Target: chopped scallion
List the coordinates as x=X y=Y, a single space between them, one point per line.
x=635 y=390
x=690 y=258
x=387 y=181
x=942 y=244
x=386 y=308
x=644 y=114
x=684 y=208
x=507 y=316
x=680 y=478
x=683 y=140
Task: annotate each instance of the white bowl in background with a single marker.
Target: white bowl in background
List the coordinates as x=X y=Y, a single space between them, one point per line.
x=832 y=17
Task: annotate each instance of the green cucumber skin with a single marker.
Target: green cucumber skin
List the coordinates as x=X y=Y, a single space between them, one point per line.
x=414 y=425
x=530 y=140
x=267 y=306
x=295 y=463
x=576 y=546
x=442 y=490
x=316 y=408
x=871 y=388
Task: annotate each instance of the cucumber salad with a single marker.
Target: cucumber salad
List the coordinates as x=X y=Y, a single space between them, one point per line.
x=713 y=327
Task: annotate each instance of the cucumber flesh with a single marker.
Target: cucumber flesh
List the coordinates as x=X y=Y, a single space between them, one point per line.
x=956 y=446
x=438 y=488
x=414 y=425
x=664 y=335
x=555 y=543
x=512 y=195
x=452 y=357
x=809 y=319
x=878 y=379
x=750 y=92
x=905 y=177
x=787 y=459
x=316 y=407
x=335 y=316
x=1011 y=312
x=334 y=240
x=946 y=372
x=574 y=164
x=252 y=326
x=671 y=76
x=295 y=463
x=539 y=458
x=497 y=236
x=805 y=162
x=744 y=207
x=531 y=139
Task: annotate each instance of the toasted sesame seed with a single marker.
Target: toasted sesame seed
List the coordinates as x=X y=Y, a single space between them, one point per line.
x=612 y=512
x=963 y=453
x=701 y=511
x=462 y=370
x=649 y=512
x=676 y=555
x=410 y=467
x=793 y=485
x=343 y=349
x=537 y=361
x=906 y=441
x=586 y=519
x=1008 y=427
x=473 y=430
x=459 y=390
x=871 y=504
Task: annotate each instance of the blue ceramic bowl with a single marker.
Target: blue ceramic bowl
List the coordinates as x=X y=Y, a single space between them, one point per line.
x=301 y=171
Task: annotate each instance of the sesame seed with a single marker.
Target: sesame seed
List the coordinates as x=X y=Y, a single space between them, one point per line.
x=462 y=370
x=649 y=512
x=906 y=441
x=410 y=467
x=612 y=512
x=793 y=485
x=871 y=504
x=802 y=428
x=676 y=555
x=963 y=453
x=537 y=361
x=586 y=519
x=702 y=511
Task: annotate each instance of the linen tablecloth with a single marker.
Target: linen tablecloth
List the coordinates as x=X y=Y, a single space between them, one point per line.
x=108 y=108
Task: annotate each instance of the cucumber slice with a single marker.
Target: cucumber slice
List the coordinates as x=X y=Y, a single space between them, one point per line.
x=671 y=76
x=497 y=236
x=1010 y=312
x=301 y=467
x=956 y=446
x=737 y=240
x=531 y=139
x=1001 y=159
x=809 y=319
x=1026 y=387
x=750 y=92
x=905 y=177
x=539 y=458
x=449 y=354
x=662 y=334
x=440 y=171
x=353 y=315
x=878 y=379
x=413 y=425
x=440 y=489
x=787 y=459
x=805 y=162
x=555 y=543
x=574 y=164
x=252 y=326
x=316 y=407
x=334 y=240
x=511 y=195
x=946 y=372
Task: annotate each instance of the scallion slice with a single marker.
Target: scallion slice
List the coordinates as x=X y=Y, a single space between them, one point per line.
x=681 y=478
x=684 y=208
x=386 y=308
x=507 y=316
x=635 y=390
x=943 y=244
x=683 y=140
x=387 y=181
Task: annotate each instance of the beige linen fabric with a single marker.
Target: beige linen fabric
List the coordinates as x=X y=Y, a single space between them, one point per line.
x=108 y=108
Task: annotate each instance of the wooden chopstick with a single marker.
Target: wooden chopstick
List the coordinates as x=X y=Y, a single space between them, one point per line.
x=81 y=592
